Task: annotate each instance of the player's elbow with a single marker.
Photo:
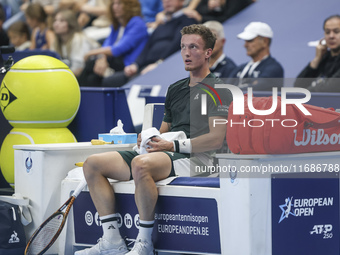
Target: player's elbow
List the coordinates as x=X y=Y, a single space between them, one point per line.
x=217 y=144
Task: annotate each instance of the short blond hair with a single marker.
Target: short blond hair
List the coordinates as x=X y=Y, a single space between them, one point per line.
x=198 y=29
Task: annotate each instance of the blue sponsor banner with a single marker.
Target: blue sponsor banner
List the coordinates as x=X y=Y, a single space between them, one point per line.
x=181 y=223
x=305 y=214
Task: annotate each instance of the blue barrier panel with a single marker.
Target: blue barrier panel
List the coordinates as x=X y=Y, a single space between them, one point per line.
x=305 y=214
x=99 y=111
x=152 y=99
x=181 y=223
x=158 y=115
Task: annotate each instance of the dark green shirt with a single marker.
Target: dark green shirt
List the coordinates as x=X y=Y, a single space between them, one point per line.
x=183 y=105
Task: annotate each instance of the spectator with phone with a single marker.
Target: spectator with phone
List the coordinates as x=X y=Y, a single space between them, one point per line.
x=322 y=73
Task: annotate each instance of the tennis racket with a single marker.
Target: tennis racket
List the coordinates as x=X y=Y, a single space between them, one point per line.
x=48 y=232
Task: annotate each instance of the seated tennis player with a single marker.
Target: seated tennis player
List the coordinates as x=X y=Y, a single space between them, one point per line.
x=184 y=111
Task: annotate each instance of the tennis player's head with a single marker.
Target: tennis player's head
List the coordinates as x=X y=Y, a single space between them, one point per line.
x=197 y=44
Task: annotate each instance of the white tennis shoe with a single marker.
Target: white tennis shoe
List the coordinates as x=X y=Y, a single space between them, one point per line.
x=142 y=247
x=104 y=247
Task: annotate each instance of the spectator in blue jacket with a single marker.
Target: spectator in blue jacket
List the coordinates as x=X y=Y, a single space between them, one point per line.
x=150 y=8
x=126 y=41
x=163 y=42
x=262 y=72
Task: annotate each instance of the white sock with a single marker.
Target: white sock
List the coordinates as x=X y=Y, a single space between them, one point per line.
x=145 y=230
x=110 y=228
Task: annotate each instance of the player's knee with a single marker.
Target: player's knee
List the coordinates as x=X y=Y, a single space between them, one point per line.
x=90 y=166
x=139 y=167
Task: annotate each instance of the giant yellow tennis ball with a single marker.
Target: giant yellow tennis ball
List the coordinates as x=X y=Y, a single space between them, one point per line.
x=29 y=136
x=39 y=91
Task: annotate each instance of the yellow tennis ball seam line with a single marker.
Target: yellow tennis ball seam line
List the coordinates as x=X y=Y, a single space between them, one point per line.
x=29 y=136
x=40 y=70
x=39 y=122
x=44 y=122
x=23 y=134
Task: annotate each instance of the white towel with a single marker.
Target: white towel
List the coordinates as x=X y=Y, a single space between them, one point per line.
x=147 y=134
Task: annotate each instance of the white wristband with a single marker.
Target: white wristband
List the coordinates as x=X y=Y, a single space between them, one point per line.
x=185 y=146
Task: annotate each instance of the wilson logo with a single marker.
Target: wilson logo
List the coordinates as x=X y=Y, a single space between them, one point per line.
x=316 y=137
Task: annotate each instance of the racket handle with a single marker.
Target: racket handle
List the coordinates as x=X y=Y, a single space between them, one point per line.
x=99 y=142
x=79 y=188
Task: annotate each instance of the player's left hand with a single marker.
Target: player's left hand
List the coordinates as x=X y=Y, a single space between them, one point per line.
x=159 y=144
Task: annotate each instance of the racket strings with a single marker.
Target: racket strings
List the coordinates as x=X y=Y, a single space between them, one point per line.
x=45 y=235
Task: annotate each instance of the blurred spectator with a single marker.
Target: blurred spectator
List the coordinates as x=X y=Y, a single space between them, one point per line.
x=219 y=64
x=19 y=36
x=89 y=12
x=262 y=66
x=163 y=16
x=127 y=39
x=13 y=5
x=163 y=42
x=71 y=43
x=219 y=10
x=92 y=16
x=42 y=37
x=323 y=72
x=50 y=6
x=150 y=8
x=4 y=40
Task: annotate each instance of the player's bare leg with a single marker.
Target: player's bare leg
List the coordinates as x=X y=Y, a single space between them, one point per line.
x=97 y=168
x=146 y=170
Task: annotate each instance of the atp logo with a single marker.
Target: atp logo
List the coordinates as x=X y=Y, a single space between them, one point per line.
x=323 y=230
x=286 y=209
